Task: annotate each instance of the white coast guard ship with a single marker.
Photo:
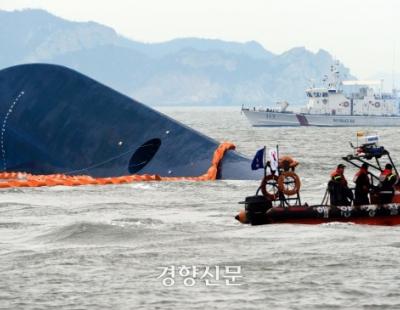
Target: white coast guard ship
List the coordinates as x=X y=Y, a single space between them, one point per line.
x=329 y=106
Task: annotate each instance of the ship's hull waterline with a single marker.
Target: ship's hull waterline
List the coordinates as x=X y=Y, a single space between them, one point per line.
x=273 y=119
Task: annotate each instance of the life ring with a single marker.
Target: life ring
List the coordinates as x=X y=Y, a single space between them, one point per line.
x=346 y=104
x=283 y=182
x=377 y=104
x=267 y=181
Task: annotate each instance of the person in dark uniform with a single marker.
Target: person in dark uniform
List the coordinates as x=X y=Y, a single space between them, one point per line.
x=340 y=193
x=387 y=180
x=363 y=186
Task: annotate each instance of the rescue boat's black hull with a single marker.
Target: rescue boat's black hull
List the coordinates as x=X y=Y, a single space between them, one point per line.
x=258 y=212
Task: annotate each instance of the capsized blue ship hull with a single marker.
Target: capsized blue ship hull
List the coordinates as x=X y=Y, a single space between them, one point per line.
x=56 y=120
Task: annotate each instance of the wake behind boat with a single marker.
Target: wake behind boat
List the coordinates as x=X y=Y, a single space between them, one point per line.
x=330 y=106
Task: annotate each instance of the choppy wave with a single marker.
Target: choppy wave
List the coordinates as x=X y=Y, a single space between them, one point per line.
x=105 y=247
x=12 y=225
x=95 y=233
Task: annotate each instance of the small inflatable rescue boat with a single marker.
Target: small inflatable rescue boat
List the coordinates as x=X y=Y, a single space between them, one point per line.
x=280 y=199
x=259 y=210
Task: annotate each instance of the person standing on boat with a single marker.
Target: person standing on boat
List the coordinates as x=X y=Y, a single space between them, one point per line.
x=340 y=193
x=363 y=186
x=387 y=180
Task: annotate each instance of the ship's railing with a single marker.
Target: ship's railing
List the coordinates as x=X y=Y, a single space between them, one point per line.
x=259 y=109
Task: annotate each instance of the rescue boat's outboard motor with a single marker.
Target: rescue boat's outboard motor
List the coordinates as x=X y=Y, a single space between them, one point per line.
x=256 y=207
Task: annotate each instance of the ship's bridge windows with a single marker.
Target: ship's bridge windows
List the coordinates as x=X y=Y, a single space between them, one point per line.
x=324 y=94
x=143 y=155
x=309 y=94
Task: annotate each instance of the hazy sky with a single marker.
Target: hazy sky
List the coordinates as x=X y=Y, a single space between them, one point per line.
x=362 y=33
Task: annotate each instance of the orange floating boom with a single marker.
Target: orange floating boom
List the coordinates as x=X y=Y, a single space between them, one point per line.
x=22 y=179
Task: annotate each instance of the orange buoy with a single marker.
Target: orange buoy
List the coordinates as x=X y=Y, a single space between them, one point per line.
x=242 y=217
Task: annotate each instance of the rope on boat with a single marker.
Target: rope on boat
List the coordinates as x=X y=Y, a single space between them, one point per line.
x=326 y=197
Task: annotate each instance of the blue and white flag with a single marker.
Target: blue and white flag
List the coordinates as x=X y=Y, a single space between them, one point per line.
x=258 y=160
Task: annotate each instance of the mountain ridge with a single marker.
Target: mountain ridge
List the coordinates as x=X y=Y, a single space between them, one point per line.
x=182 y=71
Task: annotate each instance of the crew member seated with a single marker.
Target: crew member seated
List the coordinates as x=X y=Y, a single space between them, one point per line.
x=387 y=180
x=363 y=186
x=340 y=193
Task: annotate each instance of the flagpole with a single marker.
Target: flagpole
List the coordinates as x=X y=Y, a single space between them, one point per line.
x=265 y=161
x=277 y=155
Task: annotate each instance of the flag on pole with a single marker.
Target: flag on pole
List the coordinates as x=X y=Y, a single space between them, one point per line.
x=273 y=159
x=259 y=159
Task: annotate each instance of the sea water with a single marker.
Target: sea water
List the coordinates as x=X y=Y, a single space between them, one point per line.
x=176 y=245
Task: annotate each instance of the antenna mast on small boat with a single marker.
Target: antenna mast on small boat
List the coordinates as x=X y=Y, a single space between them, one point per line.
x=393 y=68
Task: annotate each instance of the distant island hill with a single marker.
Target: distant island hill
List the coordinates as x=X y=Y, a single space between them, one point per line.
x=184 y=71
